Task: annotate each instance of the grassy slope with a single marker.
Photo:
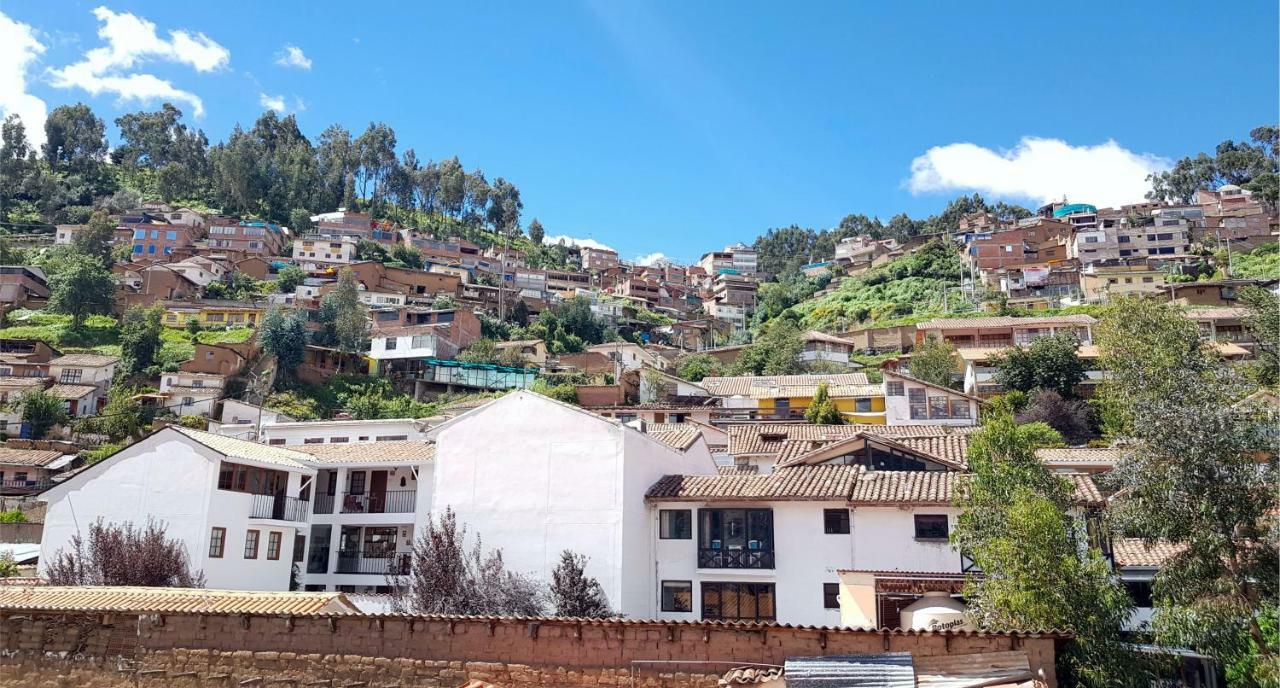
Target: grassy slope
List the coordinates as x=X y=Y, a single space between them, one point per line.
x=101 y=334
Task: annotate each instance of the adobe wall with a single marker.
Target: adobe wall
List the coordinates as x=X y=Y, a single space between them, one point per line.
x=98 y=651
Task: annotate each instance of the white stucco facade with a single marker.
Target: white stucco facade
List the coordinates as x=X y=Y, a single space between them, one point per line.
x=336 y=431
x=534 y=477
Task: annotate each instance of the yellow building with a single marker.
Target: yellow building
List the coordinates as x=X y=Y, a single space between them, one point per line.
x=862 y=404
x=212 y=315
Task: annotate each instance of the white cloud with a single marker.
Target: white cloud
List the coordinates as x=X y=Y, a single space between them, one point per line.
x=292 y=56
x=18 y=50
x=131 y=40
x=652 y=259
x=271 y=102
x=1038 y=169
x=574 y=241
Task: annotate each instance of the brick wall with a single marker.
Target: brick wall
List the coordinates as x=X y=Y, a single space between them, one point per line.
x=174 y=650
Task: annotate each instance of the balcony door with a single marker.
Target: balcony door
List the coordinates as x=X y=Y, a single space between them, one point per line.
x=377 y=492
x=735 y=538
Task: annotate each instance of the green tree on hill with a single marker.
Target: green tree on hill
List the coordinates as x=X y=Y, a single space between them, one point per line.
x=283 y=334
x=775 y=352
x=1050 y=363
x=83 y=287
x=140 y=342
x=41 y=411
x=95 y=239
x=822 y=409
x=934 y=361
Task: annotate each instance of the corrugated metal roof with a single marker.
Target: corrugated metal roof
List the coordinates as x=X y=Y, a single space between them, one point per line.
x=172 y=600
x=885 y=670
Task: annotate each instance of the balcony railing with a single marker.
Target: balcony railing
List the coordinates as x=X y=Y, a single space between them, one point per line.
x=373 y=562
x=279 y=507
x=12 y=486
x=735 y=559
x=324 y=504
x=391 y=502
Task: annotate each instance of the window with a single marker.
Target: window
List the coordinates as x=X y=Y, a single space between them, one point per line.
x=675 y=524
x=155 y=234
x=275 y=441
x=916 y=400
x=139 y=234
x=217 y=542
x=137 y=248
x=1124 y=239
x=677 y=596
x=151 y=248
x=355 y=483
x=70 y=375
x=171 y=236
x=862 y=405
x=830 y=595
x=421 y=341
x=273 y=544
x=299 y=547
x=893 y=389
x=1164 y=237
x=938 y=407
x=1139 y=592
x=931 y=526
x=959 y=408
x=339 y=440
x=251 y=544
x=1148 y=280
x=391 y=438
x=313 y=440
x=835 y=521
x=391 y=343
x=745 y=601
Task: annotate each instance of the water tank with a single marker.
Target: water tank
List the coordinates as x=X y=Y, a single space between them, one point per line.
x=935 y=611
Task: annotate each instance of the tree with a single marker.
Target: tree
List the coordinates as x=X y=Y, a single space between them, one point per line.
x=822 y=409
x=485 y=350
x=1199 y=474
x=1050 y=362
x=934 y=361
x=448 y=577
x=160 y=154
x=41 y=411
x=1072 y=418
x=1016 y=526
x=284 y=335
x=300 y=221
x=289 y=278
x=775 y=352
x=574 y=593
x=96 y=238
x=1253 y=166
x=694 y=367
x=1263 y=323
x=75 y=139
x=408 y=255
x=140 y=330
x=125 y=555
x=368 y=249
x=536 y=232
x=122 y=418
x=83 y=287
x=341 y=309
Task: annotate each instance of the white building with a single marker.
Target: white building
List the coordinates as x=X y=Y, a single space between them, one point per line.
x=534 y=477
x=201 y=271
x=240 y=419
x=236 y=506
x=191 y=394
x=908 y=401
x=630 y=356
x=291 y=432
x=315 y=252
x=85 y=369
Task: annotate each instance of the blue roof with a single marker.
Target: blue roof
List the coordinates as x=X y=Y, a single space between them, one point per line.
x=1073 y=208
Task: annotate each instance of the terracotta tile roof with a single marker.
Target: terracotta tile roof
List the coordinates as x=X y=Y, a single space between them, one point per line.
x=836 y=391
x=1004 y=321
x=67 y=391
x=750 y=676
x=1071 y=455
x=766 y=438
x=172 y=600
x=246 y=450
x=22 y=382
x=948 y=448
x=89 y=360
x=1086 y=492
x=816 y=336
x=1140 y=553
x=903 y=487
x=741 y=385
x=1217 y=313
x=28 y=457
x=680 y=438
x=370 y=452
x=798 y=483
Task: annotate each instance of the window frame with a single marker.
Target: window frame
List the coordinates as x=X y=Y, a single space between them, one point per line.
x=930 y=521
x=253 y=537
x=830 y=595
x=842 y=525
x=218 y=537
x=274 y=539
x=676 y=585
x=665 y=529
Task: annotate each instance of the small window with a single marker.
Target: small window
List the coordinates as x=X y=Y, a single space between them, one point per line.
x=862 y=405
x=893 y=389
x=273 y=544
x=217 y=543
x=830 y=595
x=275 y=441
x=835 y=521
x=675 y=524
x=677 y=596
x=1139 y=592
x=391 y=343
x=251 y=544
x=931 y=526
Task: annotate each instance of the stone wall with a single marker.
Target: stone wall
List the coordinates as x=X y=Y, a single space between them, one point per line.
x=97 y=651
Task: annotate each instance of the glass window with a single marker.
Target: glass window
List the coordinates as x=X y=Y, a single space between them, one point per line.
x=217 y=542
x=379 y=541
x=155 y=234
x=677 y=596
x=273 y=544
x=421 y=341
x=959 y=408
x=745 y=601
x=251 y=544
x=299 y=547
x=391 y=343
x=931 y=526
x=1139 y=592
x=835 y=521
x=893 y=389
x=862 y=405
x=151 y=248
x=938 y=407
x=830 y=595
x=675 y=524
x=355 y=483
x=916 y=400
x=171 y=235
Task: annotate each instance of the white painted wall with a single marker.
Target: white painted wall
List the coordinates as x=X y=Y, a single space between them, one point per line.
x=805 y=558
x=172 y=480
x=884 y=540
x=404 y=348
x=535 y=477
x=298 y=432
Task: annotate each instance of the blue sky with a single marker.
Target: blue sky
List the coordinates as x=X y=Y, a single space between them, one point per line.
x=678 y=127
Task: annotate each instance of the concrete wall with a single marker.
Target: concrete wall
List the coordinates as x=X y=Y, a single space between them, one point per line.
x=884 y=540
x=97 y=651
